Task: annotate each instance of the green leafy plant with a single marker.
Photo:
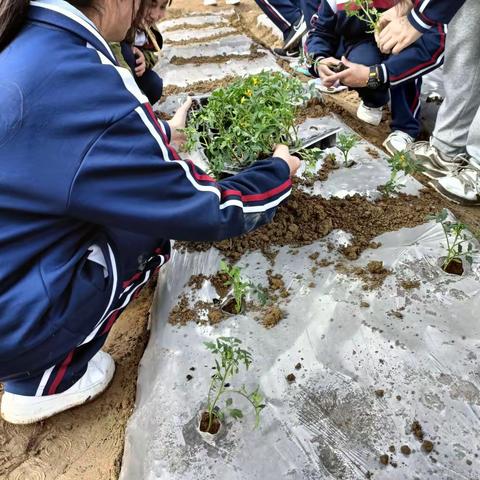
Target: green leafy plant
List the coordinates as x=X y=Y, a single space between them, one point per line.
x=458 y=244
x=310 y=156
x=239 y=286
x=245 y=120
x=400 y=162
x=260 y=292
x=230 y=358
x=365 y=11
x=345 y=143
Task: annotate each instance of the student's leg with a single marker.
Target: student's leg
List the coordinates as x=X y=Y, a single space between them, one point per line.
x=367 y=53
x=406 y=107
x=152 y=85
x=309 y=9
x=473 y=140
x=283 y=13
x=461 y=81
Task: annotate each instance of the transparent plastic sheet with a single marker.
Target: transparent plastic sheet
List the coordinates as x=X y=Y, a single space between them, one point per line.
x=329 y=424
x=420 y=346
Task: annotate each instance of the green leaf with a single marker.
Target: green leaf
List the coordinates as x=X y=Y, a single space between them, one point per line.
x=236 y=413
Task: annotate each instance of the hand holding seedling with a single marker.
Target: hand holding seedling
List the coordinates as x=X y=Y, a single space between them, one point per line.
x=324 y=67
x=293 y=162
x=177 y=124
x=356 y=75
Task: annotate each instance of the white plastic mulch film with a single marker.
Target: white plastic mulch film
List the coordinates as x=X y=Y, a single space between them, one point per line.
x=418 y=346
x=371 y=361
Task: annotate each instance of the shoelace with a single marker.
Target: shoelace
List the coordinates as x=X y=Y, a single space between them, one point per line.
x=471 y=183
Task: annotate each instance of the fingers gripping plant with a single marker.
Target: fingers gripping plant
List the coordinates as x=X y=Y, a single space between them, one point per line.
x=239 y=286
x=400 y=162
x=230 y=358
x=345 y=143
x=245 y=120
x=365 y=11
x=458 y=244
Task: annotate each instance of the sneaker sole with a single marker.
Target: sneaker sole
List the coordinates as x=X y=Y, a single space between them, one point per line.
x=75 y=402
x=298 y=35
x=452 y=197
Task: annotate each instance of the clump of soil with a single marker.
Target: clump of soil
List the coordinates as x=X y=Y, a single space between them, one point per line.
x=372 y=276
x=181 y=313
x=405 y=449
x=373 y=152
x=210 y=38
x=218 y=281
x=215 y=315
x=417 y=430
x=214 y=427
x=254 y=53
x=427 y=446
x=162 y=115
x=329 y=164
x=298 y=366
x=384 y=459
x=379 y=393
x=316 y=217
x=230 y=306
x=455 y=267
x=196 y=281
x=290 y=378
x=409 y=284
x=272 y=316
x=275 y=282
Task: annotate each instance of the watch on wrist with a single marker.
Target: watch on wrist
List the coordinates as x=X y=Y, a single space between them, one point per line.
x=373 y=81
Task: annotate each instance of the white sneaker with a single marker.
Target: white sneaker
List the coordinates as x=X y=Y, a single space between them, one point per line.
x=209 y=3
x=22 y=409
x=462 y=186
x=397 y=141
x=436 y=164
x=232 y=2
x=370 y=115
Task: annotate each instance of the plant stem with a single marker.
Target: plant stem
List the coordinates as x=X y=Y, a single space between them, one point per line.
x=220 y=392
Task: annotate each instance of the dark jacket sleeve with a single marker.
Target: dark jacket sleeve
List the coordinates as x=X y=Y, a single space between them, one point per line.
x=322 y=39
x=131 y=178
x=423 y=56
x=429 y=13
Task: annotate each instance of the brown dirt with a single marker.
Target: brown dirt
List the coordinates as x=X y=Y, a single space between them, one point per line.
x=200 y=87
x=417 y=430
x=214 y=427
x=182 y=313
x=405 y=449
x=427 y=446
x=86 y=442
x=290 y=378
x=218 y=281
x=454 y=267
x=410 y=284
x=272 y=316
x=254 y=53
x=186 y=26
x=305 y=219
x=384 y=459
x=372 y=276
x=192 y=41
x=196 y=281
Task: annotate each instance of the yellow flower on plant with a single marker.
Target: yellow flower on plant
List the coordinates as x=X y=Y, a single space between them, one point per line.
x=255 y=80
x=242 y=100
x=248 y=93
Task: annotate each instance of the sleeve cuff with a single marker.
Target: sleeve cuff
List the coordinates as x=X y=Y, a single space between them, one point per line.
x=418 y=21
x=283 y=168
x=168 y=131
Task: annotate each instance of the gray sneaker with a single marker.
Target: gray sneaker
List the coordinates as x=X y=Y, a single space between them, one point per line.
x=436 y=163
x=461 y=186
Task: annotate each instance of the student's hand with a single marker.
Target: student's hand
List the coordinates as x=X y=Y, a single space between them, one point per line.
x=141 y=64
x=282 y=151
x=400 y=10
x=177 y=123
x=323 y=69
x=397 y=36
x=355 y=76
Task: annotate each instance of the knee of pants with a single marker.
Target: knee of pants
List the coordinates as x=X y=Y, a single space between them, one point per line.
x=374 y=98
x=365 y=53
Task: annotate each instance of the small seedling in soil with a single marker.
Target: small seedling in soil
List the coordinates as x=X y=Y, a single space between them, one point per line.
x=235 y=281
x=310 y=156
x=365 y=11
x=230 y=358
x=458 y=244
x=260 y=292
x=400 y=162
x=345 y=143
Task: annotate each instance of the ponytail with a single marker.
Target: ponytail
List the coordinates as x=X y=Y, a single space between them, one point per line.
x=12 y=17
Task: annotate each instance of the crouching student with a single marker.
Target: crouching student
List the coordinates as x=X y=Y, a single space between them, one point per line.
x=90 y=198
x=376 y=77
x=140 y=50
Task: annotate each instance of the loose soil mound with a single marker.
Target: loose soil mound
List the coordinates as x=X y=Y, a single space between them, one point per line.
x=304 y=219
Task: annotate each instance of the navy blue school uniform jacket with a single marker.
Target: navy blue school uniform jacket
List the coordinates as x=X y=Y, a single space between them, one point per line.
x=91 y=191
x=427 y=14
x=334 y=32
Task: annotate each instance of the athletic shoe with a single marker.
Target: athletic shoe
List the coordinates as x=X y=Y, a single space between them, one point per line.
x=436 y=164
x=461 y=186
x=281 y=52
x=297 y=31
x=209 y=3
x=22 y=409
x=232 y=2
x=371 y=115
x=397 y=141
